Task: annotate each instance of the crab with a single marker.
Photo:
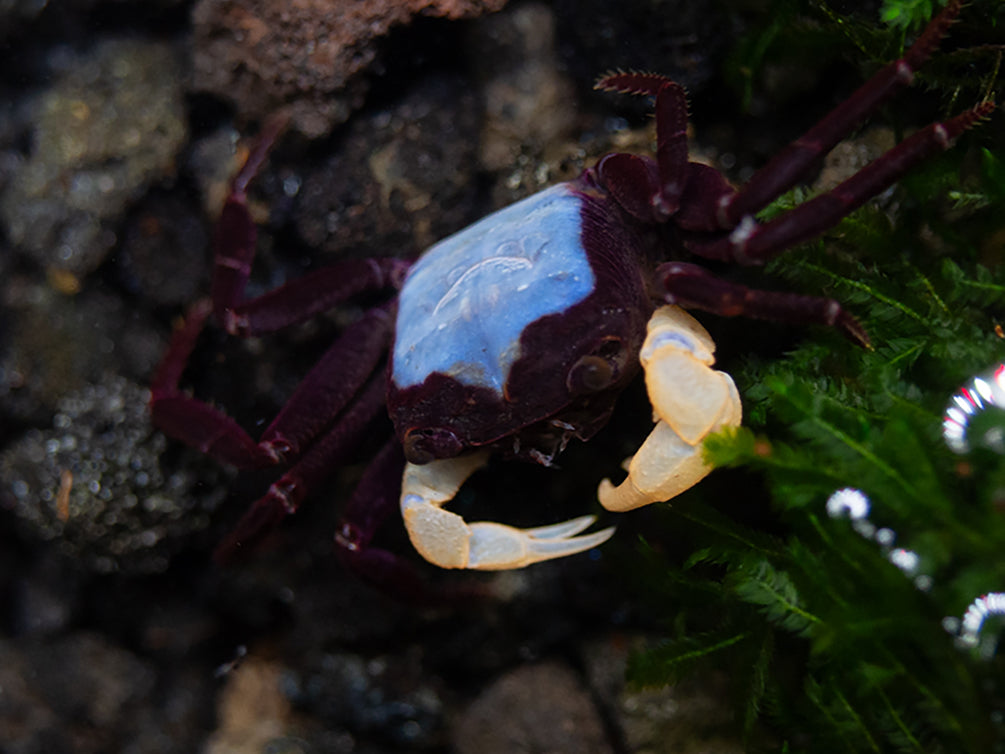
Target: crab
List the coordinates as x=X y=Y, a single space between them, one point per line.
x=517 y=334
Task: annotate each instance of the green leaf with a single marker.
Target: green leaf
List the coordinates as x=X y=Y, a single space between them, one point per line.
x=672 y=659
x=774 y=592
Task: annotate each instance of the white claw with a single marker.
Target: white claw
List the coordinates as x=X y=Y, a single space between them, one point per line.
x=690 y=400
x=495 y=547
x=564 y=529
x=445 y=539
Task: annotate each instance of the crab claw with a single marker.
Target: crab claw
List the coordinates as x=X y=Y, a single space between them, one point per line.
x=690 y=400
x=445 y=539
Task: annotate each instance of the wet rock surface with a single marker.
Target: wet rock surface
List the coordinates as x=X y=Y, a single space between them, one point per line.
x=678 y=38
x=308 y=56
x=404 y=178
x=81 y=693
x=109 y=125
x=533 y=708
x=93 y=484
x=56 y=343
x=117 y=630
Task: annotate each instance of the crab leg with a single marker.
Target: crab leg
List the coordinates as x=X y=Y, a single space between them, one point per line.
x=328 y=452
x=755 y=243
x=191 y=421
x=330 y=386
x=315 y=403
x=789 y=165
x=234 y=243
x=695 y=287
x=312 y=294
x=690 y=400
x=373 y=502
x=671 y=140
x=445 y=539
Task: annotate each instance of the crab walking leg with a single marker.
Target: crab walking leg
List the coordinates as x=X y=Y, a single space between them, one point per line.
x=690 y=400
x=445 y=539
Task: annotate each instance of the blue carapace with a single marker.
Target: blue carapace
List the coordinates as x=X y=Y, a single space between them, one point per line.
x=466 y=302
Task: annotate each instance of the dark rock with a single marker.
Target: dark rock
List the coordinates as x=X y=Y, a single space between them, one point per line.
x=534 y=708
x=306 y=56
x=163 y=255
x=681 y=39
x=57 y=343
x=110 y=124
x=386 y=697
x=85 y=695
x=402 y=178
x=94 y=484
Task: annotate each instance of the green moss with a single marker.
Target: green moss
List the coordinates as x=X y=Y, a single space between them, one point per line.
x=831 y=646
x=906 y=13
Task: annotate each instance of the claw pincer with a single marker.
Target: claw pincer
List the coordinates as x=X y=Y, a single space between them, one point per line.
x=445 y=539
x=690 y=400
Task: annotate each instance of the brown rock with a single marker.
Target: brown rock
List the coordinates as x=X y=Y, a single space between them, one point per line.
x=306 y=55
x=535 y=708
x=252 y=711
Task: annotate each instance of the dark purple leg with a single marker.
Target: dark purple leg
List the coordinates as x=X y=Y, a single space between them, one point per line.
x=234 y=243
x=332 y=408
x=326 y=390
x=641 y=193
x=329 y=452
x=235 y=236
x=671 y=147
x=753 y=243
x=790 y=165
x=692 y=287
x=312 y=294
x=632 y=181
x=374 y=502
x=331 y=384
x=195 y=423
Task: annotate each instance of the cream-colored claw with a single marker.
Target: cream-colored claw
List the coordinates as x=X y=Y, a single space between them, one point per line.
x=445 y=539
x=689 y=399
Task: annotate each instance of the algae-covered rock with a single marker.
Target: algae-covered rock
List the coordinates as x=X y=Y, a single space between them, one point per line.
x=110 y=124
x=94 y=482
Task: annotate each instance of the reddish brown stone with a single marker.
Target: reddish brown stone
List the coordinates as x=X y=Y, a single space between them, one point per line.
x=306 y=55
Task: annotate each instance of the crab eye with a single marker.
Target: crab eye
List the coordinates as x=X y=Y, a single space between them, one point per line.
x=429 y=443
x=598 y=370
x=590 y=375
